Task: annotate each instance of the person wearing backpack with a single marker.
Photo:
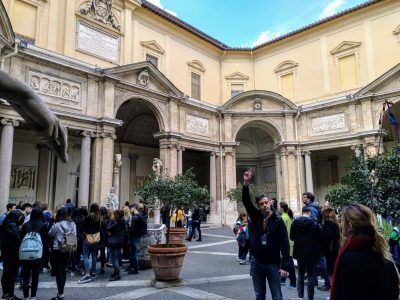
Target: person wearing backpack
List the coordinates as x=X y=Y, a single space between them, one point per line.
x=62 y=231
x=137 y=228
x=115 y=240
x=243 y=239
x=31 y=251
x=11 y=239
x=196 y=222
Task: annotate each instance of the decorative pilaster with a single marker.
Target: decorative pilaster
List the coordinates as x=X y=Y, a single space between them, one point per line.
x=132 y=176
x=278 y=177
x=213 y=184
x=42 y=190
x=6 y=149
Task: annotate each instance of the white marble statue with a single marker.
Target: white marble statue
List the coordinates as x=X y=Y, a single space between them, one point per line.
x=113 y=202
x=157 y=166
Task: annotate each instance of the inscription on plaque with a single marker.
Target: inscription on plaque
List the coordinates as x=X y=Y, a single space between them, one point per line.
x=68 y=92
x=329 y=124
x=97 y=43
x=197 y=125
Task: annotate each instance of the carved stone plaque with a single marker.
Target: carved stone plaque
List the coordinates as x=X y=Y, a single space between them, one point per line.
x=197 y=125
x=68 y=92
x=328 y=124
x=22 y=177
x=97 y=43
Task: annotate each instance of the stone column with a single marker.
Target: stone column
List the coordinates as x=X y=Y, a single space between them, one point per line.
x=278 y=177
x=213 y=184
x=173 y=153
x=229 y=207
x=132 y=176
x=84 y=170
x=180 y=161
x=116 y=174
x=165 y=156
x=293 y=179
x=42 y=187
x=285 y=175
x=309 y=175
x=6 y=149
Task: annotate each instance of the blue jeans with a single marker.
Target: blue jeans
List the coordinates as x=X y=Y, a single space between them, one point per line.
x=114 y=258
x=134 y=263
x=260 y=273
x=89 y=249
x=321 y=265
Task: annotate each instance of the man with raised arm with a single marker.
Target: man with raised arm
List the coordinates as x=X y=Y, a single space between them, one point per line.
x=268 y=243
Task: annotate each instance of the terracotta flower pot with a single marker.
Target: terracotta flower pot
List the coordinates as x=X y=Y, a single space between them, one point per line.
x=177 y=235
x=167 y=260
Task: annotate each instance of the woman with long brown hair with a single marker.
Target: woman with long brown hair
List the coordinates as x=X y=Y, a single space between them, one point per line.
x=331 y=238
x=364 y=269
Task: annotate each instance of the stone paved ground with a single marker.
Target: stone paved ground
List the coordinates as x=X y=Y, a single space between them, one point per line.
x=210 y=271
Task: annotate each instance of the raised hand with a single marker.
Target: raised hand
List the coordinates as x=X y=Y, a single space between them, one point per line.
x=247 y=177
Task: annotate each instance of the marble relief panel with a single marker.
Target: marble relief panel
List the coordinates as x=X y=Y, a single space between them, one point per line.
x=67 y=93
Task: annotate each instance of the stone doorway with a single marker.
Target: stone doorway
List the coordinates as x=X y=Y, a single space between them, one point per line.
x=136 y=142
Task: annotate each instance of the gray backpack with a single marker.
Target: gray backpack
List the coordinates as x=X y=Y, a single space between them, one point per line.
x=69 y=242
x=31 y=247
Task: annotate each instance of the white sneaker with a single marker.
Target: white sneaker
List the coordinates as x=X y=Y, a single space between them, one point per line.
x=44 y=270
x=238 y=259
x=243 y=262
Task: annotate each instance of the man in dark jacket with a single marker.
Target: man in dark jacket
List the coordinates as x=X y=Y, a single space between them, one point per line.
x=305 y=232
x=196 y=221
x=268 y=243
x=135 y=232
x=11 y=239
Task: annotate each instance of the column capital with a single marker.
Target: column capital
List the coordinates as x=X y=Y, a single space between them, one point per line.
x=87 y=133
x=104 y=135
x=180 y=148
x=133 y=156
x=9 y=122
x=306 y=152
x=213 y=153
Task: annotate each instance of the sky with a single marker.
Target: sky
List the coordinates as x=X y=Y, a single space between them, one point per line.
x=248 y=23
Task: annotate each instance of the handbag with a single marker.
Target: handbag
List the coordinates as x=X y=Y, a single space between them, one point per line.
x=93 y=238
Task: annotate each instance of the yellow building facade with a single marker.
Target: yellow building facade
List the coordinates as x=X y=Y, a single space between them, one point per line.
x=128 y=78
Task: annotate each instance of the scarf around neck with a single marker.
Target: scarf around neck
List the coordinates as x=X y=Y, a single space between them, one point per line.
x=353 y=243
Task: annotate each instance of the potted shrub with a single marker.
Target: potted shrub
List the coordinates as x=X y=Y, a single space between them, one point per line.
x=182 y=190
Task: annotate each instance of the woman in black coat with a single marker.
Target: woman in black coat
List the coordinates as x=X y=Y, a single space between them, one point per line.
x=364 y=268
x=10 y=242
x=115 y=240
x=331 y=238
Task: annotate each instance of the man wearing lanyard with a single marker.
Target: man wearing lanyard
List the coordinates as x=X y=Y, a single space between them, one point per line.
x=268 y=243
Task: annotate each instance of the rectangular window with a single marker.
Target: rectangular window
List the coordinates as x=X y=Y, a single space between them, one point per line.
x=236 y=89
x=196 y=86
x=347 y=72
x=287 y=85
x=152 y=59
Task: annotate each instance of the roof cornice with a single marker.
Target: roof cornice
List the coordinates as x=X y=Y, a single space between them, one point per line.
x=222 y=46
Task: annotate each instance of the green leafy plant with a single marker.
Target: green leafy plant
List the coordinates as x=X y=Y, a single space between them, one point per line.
x=236 y=193
x=182 y=190
x=371 y=180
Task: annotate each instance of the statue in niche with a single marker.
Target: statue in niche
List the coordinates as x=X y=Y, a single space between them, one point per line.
x=157 y=166
x=36 y=114
x=101 y=10
x=113 y=202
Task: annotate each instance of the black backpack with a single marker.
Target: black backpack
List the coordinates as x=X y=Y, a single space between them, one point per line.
x=140 y=227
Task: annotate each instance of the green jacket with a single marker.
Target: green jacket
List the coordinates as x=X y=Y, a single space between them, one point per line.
x=288 y=223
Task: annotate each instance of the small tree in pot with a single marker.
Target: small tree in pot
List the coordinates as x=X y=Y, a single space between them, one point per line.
x=182 y=190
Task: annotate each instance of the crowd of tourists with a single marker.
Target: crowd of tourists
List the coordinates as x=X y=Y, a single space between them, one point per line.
x=354 y=258
x=35 y=240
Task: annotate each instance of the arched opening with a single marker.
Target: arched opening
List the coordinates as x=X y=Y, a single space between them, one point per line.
x=136 y=143
x=256 y=151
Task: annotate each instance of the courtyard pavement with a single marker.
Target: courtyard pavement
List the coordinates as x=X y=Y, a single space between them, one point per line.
x=210 y=271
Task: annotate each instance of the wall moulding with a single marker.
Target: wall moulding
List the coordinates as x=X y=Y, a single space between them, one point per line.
x=328 y=124
x=197 y=125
